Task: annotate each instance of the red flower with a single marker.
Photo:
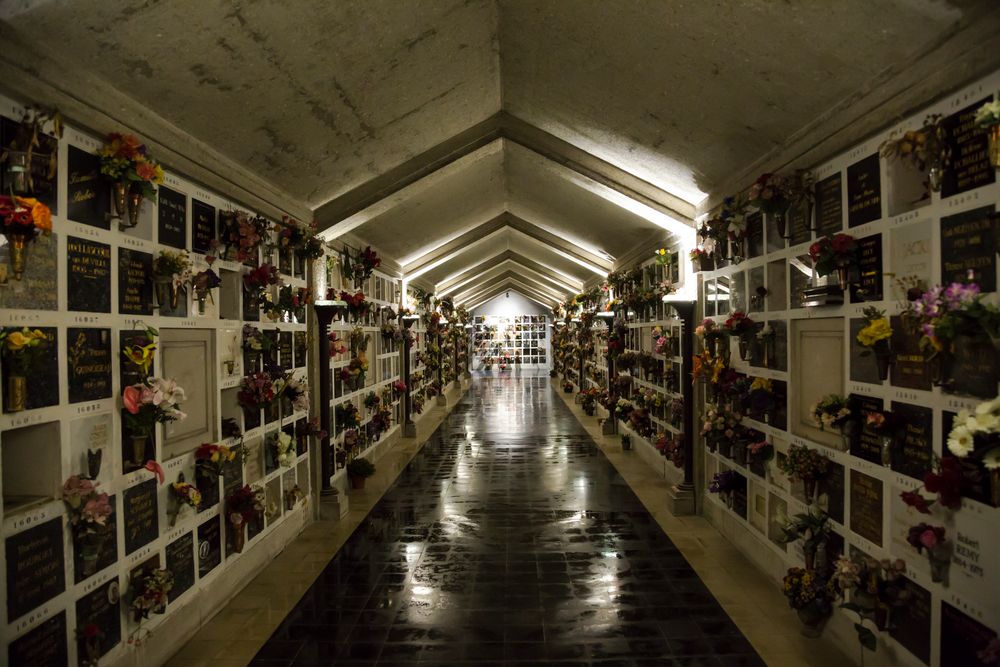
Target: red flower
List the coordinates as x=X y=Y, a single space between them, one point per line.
x=946 y=482
x=916 y=501
x=814 y=250
x=842 y=243
x=91 y=630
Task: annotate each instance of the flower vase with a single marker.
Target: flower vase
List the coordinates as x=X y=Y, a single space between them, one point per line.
x=253 y=358
x=809 y=487
x=744 y=344
x=935 y=177
x=883 y=360
x=17 y=245
x=88 y=561
x=812 y=616
x=230 y=365
x=994 y=146
x=94 y=457
x=166 y=292
x=705 y=263
x=941 y=368
x=765 y=353
x=810 y=557
x=843 y=276
x=780 y=222
x=139 y=450
x=119 y=201
x=17 y=393
x=134 y=208
x=201 y=298
x=940 y=562
x=239 y=534
x=886 y=450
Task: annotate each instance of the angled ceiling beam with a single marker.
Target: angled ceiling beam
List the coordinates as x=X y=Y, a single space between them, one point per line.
x=504 y=258
x=333 y=229
x=510 y=264
x=539 y=233
x=477 y=232
x=497 y=291
x=514 y=277
x=573 y=257
x=409 y=172
x=464 y=243
x=508 y=281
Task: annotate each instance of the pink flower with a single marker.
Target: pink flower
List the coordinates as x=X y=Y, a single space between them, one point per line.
x=929 y=538
x=75 y=486
x=154 y=467
x=132 y=399
x=97 y=509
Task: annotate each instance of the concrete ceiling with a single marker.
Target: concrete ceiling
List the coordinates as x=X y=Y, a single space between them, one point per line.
x=529 y=133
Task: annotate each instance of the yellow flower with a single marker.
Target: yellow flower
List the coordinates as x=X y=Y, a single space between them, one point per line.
x=876 y=331
x=760 y=383
x=16 y=341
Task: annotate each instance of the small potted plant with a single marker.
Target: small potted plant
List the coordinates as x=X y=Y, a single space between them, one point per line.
x=171 y=273
x=808 y=465
x=88 y=517
x=21 y=349
x=359 y=470
x=21 y=221
x=876 y=337
x=811 y=595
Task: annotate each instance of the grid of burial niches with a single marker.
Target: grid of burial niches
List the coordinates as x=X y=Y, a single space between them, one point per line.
x=384 y=362
x=521 y=338
x=908 y=236
x=88 y=286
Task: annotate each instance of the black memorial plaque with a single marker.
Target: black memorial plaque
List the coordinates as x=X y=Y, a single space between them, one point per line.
x=88 y=357
x=755 y=235
x=208 y=486
x=969 y=165
x=271 y=356
x=913 y=442
x=135 y=282
x=43 y=383
x=864 y=191
x=209 y=546
x=100 y=607
x=301 y=345
x=232 y=474
x=834 y=488
x=180 y=562
x=285 y=261
x=974 y=369
x=88 y=194
x=43 y=646
x=35 y=567
x=968 y=242
x=962 y=637
x=285 y=344
x=251 y=311
x=89 y=275
x=799 y=223
x=140 y=516
x=172 y=218
x=866 y=506
x=109 y=550
x=863 y=367
x=829 y=206
x=911 y=624
x=865 y=442
x=910 y=369
x=203 y=227
x=869 y=285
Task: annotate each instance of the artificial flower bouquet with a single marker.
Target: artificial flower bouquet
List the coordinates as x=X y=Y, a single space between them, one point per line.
x=945 y=313
x=811 y=595
x=291 y=301
x=255 y=342
x=241 y=234
x=805 y=464
x=204 y=282
x=154 y=401
x=283 y=447
x=769 y=193
x=761 y=396
x=243 y=506
x=21 y=220
x=875 y=586
x=726 y=482
x=89 y=511
x=720 y=427
x=22 y=349
x=257 y=391
x=296 y=390
x=359 y=267
x=838 y=253
x=337 y=346
x=173 y=267
x=209 y=459
x=183 y=494
x=347 y=416
x=355 y=372
x=125 y=159
x=924 y=149
x=831 y=411
x=357 y=306
x=149 y=593
x=140 y=349
x=924 y=536
x=259 y=278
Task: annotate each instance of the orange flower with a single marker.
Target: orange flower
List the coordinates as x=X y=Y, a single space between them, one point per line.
x=146 y=171
x=40 y=213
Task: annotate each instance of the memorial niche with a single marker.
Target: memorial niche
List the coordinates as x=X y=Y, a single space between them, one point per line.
x=180 y=562
x=172 y=219
x=864 y=191
x=41 y=373
x=969 y=243
x=45 y=644
x=203 y=227
x=866 y=507
x=869 y=284
x=87 y=194
x=99 y=609
x=89 y=364
x=135 y=285
x=829 y=206
x=209 y=546
x=969 y=166
x=89 y=275
x=35 y=567
x=139 y=515
x=913 y=441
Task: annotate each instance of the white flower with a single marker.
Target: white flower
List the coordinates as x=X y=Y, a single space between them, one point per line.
x=960 y=442
x=985 y=422
x=989 y=407
x=991 y=461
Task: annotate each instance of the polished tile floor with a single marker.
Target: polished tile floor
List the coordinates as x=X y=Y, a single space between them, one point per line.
x=510 y=539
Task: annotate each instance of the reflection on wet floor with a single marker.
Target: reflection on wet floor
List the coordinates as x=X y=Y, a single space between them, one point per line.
x=509 y=539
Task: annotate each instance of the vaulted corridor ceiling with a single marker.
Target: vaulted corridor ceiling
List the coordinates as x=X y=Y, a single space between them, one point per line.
x=480 y=143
